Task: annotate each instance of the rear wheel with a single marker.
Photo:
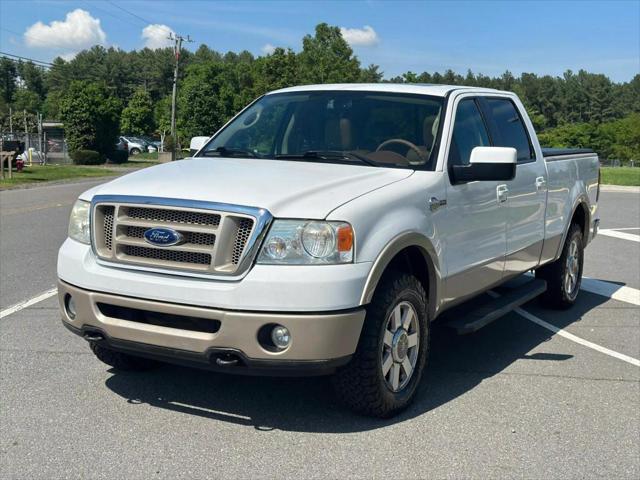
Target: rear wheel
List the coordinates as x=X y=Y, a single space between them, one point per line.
x=121 y=361
x=382 y=378
x=564 y=276
x=134 y=151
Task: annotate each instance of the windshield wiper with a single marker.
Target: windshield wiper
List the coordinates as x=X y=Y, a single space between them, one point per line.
x=326 y=155
x=228 y=152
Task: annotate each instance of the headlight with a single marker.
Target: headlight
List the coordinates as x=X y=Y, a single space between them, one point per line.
x=79 y=222
x=307 y=242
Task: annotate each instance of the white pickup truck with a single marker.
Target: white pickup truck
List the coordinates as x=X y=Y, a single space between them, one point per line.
x=322 y=229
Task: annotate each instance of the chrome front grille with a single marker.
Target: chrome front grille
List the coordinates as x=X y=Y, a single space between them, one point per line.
x=174 y=216
x=242 y=236
x=167 y=255
x=213 y=242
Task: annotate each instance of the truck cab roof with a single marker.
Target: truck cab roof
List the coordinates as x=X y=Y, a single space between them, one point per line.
x=411 y=88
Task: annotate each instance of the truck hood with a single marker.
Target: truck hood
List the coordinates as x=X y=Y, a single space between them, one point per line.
x=285 y=188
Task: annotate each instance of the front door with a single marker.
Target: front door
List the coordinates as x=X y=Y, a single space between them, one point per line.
x=474 y=228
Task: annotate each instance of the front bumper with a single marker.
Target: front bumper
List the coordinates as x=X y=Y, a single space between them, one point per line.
x=265 y=288
x=320 y=341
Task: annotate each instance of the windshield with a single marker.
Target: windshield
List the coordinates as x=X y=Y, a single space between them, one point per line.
x=371 y=128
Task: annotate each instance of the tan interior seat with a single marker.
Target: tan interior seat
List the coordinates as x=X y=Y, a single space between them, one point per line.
x=338 y=134
x=429 y=129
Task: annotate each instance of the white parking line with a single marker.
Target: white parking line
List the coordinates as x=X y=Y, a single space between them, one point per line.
x=632 y=237
x=611 y=290
x=573 y=338
x=27 y=303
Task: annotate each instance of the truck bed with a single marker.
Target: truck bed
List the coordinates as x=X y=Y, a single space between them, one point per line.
x=561 y=152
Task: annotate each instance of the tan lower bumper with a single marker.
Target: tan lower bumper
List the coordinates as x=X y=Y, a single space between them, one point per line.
x=323 y=336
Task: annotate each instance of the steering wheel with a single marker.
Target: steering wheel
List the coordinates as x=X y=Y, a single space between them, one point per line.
x=401 y=141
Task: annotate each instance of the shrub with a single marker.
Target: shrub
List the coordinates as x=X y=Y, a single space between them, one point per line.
x=91 y=114
x=118 y=156
x=168 y=143
x=86 y=157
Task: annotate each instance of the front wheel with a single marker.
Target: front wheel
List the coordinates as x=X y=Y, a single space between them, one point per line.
x=564 y=276
x=382 y=378
x=135 y=151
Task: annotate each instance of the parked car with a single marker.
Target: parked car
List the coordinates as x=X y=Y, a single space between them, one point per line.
x=154 y=142
x=122 y=144
x=137 y=145
x=322 y=230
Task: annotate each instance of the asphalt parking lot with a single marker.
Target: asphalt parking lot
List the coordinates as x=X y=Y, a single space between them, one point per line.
x=517 y=399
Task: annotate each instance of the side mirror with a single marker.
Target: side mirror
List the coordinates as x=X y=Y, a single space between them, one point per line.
x=196 y=144
x=487 y=163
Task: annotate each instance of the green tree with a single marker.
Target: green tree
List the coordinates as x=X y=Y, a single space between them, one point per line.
x=278 y=70
x=25 y=99
x=327 y=58
x=33 y=78
x=137 y=117
x=371 y=74
x=90 y=113
x=8 y=77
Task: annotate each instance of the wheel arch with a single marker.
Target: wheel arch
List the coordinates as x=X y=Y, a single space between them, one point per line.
x=411 y=252
x=580 y=215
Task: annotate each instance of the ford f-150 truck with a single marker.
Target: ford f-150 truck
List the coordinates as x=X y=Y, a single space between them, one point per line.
x=322 y=229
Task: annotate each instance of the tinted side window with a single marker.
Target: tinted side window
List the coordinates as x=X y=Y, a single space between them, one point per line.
x=511 y=131
x=469 y=131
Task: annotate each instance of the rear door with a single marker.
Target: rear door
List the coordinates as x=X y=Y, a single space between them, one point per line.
x=527 y=194
x=474 y=227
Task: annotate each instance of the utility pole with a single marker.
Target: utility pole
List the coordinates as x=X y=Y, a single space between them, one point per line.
x=27 y=140
x=40 y=136
x=10 y=120
x=178 y=39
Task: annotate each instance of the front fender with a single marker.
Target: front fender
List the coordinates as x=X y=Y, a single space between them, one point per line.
x=393 y=248
x=393 y=218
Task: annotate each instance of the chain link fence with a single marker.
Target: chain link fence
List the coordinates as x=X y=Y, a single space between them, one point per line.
x=50 y=147
x=612 y=162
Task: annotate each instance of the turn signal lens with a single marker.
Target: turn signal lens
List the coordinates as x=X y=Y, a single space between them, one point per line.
x=345 y=238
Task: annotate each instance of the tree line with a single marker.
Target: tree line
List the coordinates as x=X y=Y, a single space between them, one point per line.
x=103 y=91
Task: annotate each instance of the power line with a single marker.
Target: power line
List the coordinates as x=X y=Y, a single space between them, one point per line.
x=43 y=64
x=111 y=14
x=144 y=20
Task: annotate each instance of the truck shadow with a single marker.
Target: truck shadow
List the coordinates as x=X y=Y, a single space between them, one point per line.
x=457 y=364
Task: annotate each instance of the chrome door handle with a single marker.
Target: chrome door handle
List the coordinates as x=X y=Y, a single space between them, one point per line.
x=541 y=183
x=435 y=204
x=502 y=193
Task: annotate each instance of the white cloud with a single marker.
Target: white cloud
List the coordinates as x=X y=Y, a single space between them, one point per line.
x=78 y=31
x=157 y=36
x=360 y=37
x=268 y=49
x=68 y=56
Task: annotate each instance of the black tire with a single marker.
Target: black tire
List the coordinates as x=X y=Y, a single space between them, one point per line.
x=361 y=384
x=121 y=361
x=134 y=151
x=559 y=294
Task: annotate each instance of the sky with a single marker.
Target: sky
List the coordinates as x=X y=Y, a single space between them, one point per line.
x=489 y=37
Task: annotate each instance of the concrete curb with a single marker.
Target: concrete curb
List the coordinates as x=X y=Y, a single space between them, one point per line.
x=619 y=189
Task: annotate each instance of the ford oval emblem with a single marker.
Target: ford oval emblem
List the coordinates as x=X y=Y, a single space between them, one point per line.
x=163 y=237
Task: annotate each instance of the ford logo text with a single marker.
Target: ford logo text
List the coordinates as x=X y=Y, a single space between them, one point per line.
x=163 y=237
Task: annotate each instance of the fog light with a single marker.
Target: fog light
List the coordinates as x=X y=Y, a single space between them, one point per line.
x=280 y=336
x=71 y=307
